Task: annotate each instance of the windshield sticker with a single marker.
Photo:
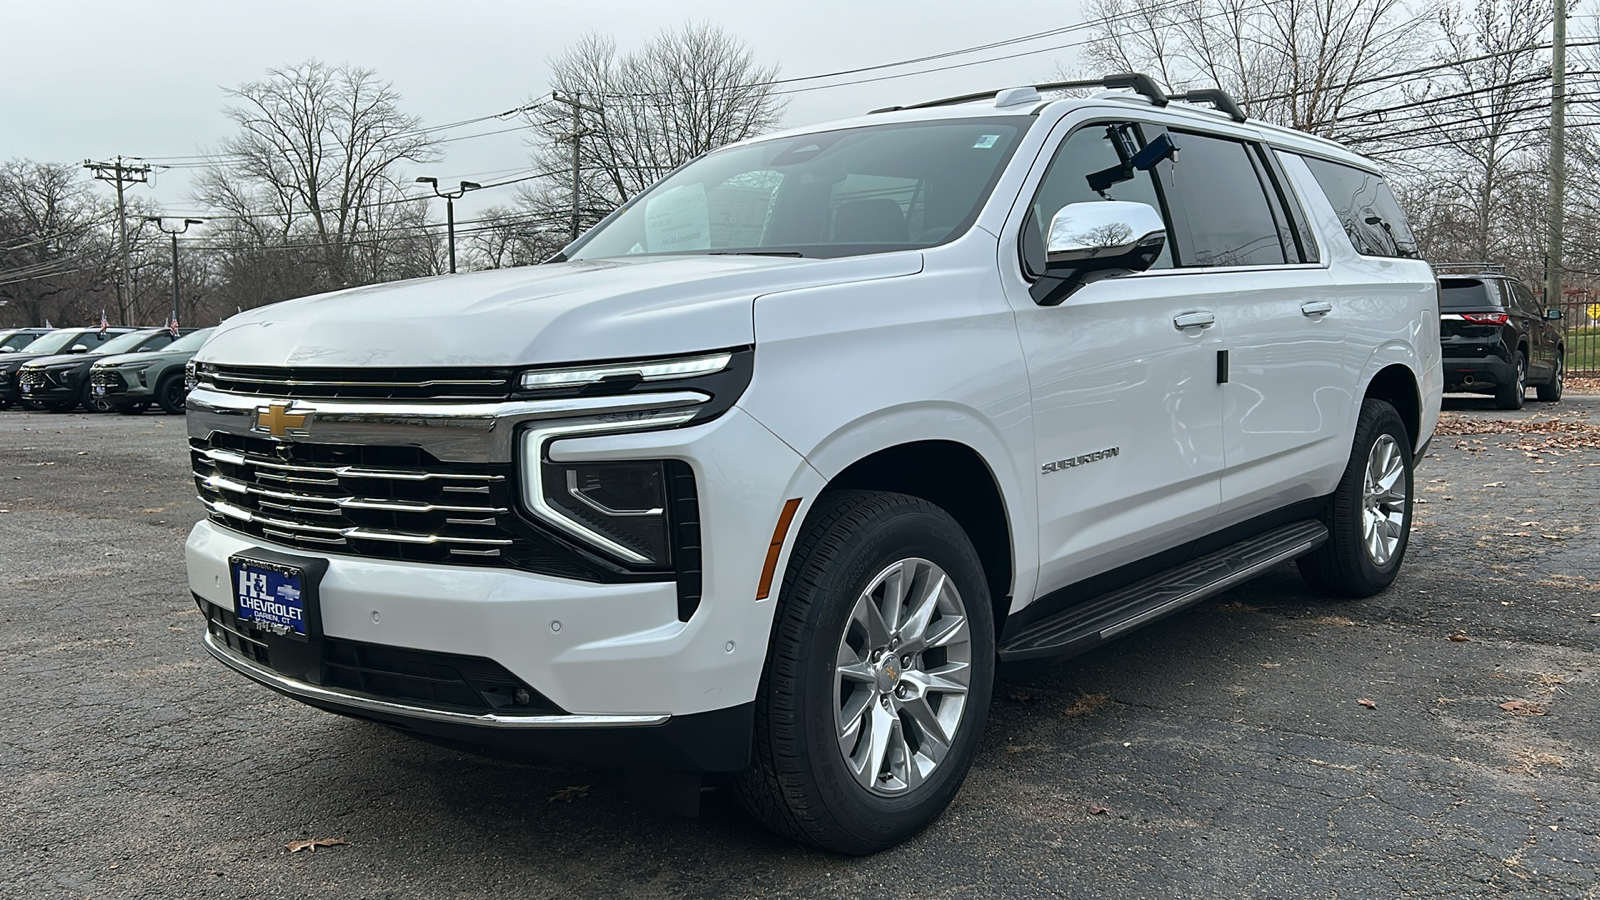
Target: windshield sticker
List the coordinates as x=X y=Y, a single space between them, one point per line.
x=678 y=220
x=986 y=142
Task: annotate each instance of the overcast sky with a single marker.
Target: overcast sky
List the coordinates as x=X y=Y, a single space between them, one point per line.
x=83 y=79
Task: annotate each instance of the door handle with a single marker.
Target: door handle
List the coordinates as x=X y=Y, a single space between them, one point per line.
x=1316 y=308
x=1197 y=319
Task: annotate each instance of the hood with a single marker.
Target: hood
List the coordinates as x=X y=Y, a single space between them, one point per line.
x=553 y=313
x=64 y=358
x=143 y=356
x=10 y=362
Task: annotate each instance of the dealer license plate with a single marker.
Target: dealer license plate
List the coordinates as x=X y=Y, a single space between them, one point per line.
x=27 y=389
x=99 y=390
x=271 y=596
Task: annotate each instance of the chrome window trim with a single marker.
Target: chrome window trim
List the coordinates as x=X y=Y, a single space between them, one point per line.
x=307 y=691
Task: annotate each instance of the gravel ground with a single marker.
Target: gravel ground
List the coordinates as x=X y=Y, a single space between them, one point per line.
x=1268 y=743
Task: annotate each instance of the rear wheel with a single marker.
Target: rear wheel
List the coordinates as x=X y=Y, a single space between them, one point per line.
x=878 y=676
x=1551 y=392
x=1369 y=515
x=1511 y=396
x=170 y=393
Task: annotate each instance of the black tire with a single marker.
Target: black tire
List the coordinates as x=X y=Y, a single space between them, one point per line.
x=798 y=782
x=131 y=409
x=1551 y=392
x=1344 y=566
x=170 y=393
x=94 y=404
x=1512 y=396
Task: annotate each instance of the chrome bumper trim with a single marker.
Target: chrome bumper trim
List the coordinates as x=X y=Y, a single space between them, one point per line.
x=307 y=691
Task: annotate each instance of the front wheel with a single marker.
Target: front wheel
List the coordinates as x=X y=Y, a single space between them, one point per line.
x=1551 y=392
x=1369 y=514
x=877 y=678
x=171 y=393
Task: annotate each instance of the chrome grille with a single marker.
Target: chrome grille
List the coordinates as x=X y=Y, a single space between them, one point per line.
x=106 y=379
x=310 y=383
x=329 y=502
x=31 y=377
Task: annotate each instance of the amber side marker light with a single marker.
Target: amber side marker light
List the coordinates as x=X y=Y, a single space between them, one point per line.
x=785 y=519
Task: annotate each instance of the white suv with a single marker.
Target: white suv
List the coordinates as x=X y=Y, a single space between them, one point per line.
x=768 y=471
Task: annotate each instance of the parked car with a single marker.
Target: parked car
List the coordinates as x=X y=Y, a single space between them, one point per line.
x=1497 y=337
x=130 y=382
x=767 y=471
x=61 y=383
x=14 y=339
x=62 y=340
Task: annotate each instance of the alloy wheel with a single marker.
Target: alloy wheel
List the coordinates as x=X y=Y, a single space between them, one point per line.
x=901 y=676
x=1383 y=507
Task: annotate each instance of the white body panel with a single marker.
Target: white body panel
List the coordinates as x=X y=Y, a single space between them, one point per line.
x=857 y=355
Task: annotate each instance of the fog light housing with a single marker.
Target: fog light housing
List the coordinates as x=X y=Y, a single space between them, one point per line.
x=624 y=502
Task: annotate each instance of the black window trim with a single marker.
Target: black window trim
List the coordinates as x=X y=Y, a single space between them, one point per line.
x=1179 y=131
x=1368 y=168
x=1299 y=220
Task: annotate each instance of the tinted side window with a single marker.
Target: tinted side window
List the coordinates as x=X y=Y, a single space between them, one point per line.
x=1367 y=209
x=1224 y=205
x=156 y=341
x=1088 y=150
x=1525 y=301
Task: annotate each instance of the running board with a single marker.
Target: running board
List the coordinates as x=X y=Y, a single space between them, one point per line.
x=1086 y=625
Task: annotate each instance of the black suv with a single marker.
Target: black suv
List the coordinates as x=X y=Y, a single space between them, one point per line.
x=60 y=383
x=13 y=340
x=1496 y=336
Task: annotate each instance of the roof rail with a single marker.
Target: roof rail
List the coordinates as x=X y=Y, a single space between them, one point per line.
x=1473 y=268
x=1140 y=83
x=1217 y=97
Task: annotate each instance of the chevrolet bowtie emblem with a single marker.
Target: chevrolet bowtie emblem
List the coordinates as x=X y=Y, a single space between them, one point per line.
x=276 y=420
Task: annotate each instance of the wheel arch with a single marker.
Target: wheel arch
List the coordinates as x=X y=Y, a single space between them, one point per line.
x=1397 y=385
x=957 y=479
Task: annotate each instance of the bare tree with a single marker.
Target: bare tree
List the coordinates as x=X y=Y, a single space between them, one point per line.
x=316 y=164
x=1302 y=63
x=685 y=92
x=56 y=254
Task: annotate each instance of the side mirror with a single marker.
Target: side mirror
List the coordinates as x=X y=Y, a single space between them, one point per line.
x=78 y=348
x=1553 y=313
x=1095 y=240
x=8 y=349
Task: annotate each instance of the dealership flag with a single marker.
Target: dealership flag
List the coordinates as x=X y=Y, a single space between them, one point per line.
x=104 y=322
x=172 y=325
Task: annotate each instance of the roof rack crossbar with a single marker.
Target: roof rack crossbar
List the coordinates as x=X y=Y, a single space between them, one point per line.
x=1482 y=268
x=1217 y=97
x=1140 y=83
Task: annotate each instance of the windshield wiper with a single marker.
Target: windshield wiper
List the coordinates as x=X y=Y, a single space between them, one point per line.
x=795 y=253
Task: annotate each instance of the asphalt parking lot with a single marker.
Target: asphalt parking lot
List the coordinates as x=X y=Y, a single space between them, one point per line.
x=1437 y=740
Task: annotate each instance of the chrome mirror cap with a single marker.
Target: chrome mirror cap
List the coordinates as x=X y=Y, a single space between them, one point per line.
x=1104 y=231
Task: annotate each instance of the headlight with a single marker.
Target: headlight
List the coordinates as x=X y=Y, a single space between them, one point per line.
x=619 y=507
x=649 y=370
x=189 y=375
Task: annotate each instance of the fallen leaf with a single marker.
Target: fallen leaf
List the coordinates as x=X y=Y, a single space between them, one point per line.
x=1552 y=537
x=1459 y=638
x=1529 y=525
x=1337 y=621
x=1524 y=708
x=1367 y=703
x=1085 y=705
x=1270 y=665
x=569 y=793
x=1097 y=810
x=313 y=844
x=1495 y=484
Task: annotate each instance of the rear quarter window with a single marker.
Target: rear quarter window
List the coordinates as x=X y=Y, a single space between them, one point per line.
x=1367 y=209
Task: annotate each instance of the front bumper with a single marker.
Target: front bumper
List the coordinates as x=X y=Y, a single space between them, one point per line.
x=615 y=660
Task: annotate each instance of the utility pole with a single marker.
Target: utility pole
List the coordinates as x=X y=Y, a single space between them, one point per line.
x=450 y=198
x=1558 y=158
x=121 y=173
x=578 y=131
x=174 y=234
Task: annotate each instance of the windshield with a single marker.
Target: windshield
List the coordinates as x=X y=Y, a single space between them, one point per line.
x=836 y=193
x=189 y=342
x=123 y=343
x=53 y=342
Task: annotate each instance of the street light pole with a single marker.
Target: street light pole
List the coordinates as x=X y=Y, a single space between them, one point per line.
x=450 y=198
x=161 y=225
